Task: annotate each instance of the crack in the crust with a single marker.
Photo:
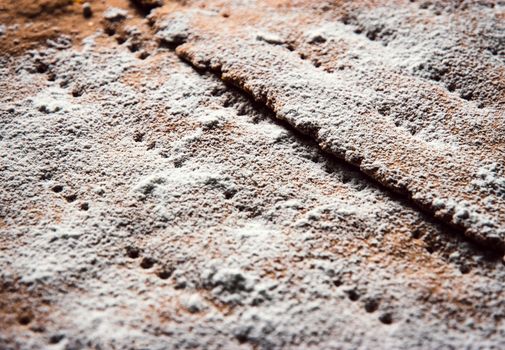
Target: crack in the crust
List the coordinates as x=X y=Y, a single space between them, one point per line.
x=495 y=248
x=332 y=162
x=306 y=133
x=304 y=137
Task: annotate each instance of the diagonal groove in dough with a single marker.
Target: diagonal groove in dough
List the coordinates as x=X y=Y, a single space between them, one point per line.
x=407 y=132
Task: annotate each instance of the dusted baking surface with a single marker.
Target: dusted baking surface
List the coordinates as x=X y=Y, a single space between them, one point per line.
x=251 y=174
